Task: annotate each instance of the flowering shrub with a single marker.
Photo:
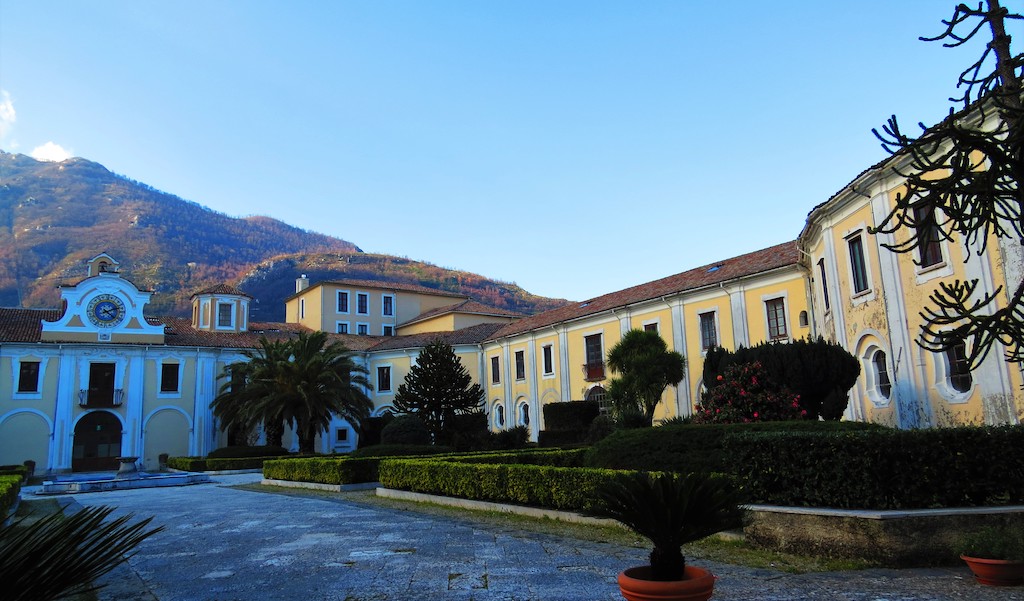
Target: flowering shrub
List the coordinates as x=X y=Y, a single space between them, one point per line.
x=746 y=393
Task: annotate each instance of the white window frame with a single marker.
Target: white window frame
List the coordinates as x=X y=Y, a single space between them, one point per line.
x=714 y=322
x=231 y=306
x=498 y=415
x=515 y=361
x=651 y=322
x=785 y=312
x=857 y=298
x=384 y=329
x=160 y=392
x=16 y=377
x=362 y=328
x=871 y=384
x=204 y=314
x=392 y=297
x=348 y=302
x=494 y=360
x=943 y=384
x=826 y=300
x=365 y=295
x=337 y=327
x=520 y=406
x=550 y=349
x=302 y=308
x=391 y=379
x=943 y=268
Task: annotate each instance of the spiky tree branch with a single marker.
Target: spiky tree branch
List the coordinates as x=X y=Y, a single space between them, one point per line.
x=963 y=184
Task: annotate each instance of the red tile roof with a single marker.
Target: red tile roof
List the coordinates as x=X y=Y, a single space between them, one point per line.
x=470 y=307
x=781 y=255
x=471 y=335
x=24 y=325
x=221 y=289
x=380 y=285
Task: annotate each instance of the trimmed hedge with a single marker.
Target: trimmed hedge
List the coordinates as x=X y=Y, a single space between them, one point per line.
x=391 y=450
x=691 y=447
x=323 y=470
x=883 y=469
x=15 y=470
x=548 y=457
x=237 y=452
x=212 y=464
x=10 y=486
x=563 y=488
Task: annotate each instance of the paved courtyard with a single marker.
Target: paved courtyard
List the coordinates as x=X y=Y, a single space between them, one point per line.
x=227 y=544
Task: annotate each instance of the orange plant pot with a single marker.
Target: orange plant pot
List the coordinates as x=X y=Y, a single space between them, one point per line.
x=996 y=572
x=697 y=585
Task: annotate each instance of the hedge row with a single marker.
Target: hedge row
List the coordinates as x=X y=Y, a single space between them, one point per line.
x=323 y=470
x=14 y=470
x=534 y=485
x=691 y=447
x=405 y=450
x=207 y=464
x=548 y=457
x=10 y=486
x=885 y=469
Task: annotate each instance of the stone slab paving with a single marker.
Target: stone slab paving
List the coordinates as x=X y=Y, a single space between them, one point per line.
x=225 y=544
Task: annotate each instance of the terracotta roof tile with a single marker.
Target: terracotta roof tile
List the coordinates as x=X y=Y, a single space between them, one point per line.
x=781 y=255
x=24 y=325
x=471 y=335
x=221 y=289
x=467 y=306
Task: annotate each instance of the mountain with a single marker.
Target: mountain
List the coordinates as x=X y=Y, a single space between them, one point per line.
x=55 y=216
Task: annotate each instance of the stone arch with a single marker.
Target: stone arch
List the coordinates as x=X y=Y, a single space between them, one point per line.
x=97 y=441
x=165 y=430
x=26 y=434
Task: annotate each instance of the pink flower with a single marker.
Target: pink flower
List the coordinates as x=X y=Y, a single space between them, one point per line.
x=755 y=415
x=719 y=377
x=803 y=412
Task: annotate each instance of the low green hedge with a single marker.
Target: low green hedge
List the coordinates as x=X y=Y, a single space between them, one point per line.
x=562 y=488
x=10 y=486
x=323 y=470
x=14 y=470
x=549 y=457
x=691 y=447
x=237 y=452
x=883 y=469
x=210 y=464
x=405 y=450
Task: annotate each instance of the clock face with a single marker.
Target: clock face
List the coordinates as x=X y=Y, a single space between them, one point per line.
x=106 y=310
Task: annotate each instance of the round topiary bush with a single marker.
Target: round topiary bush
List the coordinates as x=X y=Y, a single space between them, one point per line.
x=405 y=429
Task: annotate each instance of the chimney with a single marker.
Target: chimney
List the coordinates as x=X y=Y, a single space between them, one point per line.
x=301 y=283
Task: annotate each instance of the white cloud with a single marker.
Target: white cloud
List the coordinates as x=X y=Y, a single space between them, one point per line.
x=50 y=152
x=7 y=115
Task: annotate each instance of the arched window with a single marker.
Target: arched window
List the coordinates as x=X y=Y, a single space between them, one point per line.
x=499 y=416
x=524 y=414
x=882 y=383
x=958 y=368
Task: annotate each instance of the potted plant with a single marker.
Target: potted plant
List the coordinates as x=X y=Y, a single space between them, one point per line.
x=995 y=555
x=670 y=511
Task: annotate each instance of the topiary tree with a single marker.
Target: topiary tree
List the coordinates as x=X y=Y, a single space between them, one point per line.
x=747 y=393
x=437 y=388
x=821 y=373
x=405 y=429
x=646 y=369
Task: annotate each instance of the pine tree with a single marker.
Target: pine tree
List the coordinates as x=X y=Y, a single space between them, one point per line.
x=437 y=388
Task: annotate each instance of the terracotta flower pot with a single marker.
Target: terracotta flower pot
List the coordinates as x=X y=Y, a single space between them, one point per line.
x=697 y=585
x=996 y=572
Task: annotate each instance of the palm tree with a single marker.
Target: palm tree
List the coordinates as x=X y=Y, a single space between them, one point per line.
x=647 y=368
x=246 y=382
x=303 y=382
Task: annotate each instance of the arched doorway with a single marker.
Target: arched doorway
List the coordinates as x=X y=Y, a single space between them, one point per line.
x=97 y=443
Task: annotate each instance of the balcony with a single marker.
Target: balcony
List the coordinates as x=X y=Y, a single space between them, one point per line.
x=98 y=397
x=593 y=372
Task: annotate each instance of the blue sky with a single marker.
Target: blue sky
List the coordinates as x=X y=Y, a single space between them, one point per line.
x=575 y=148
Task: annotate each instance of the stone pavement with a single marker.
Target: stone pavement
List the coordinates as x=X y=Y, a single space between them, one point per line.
x=226 y=544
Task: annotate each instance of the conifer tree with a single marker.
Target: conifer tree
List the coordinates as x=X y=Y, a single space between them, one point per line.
x=437 y=388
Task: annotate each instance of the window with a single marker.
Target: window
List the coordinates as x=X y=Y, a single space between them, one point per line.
x=342 y=302
x=384 y=378
x=499 y=416
x=342 y=327
x=363 y=329
x=341 y=434
x=388 y=305
x=169 y=377
x=363 y=304
x=548 y=360
x=594 y=367
x=524 y=415
x=520 y=365
x=28 y=376
x=929 y=241
x=857 y=268
x=882 y=383
x=650 y=327
x=776 y=311
x=958 y=368
x=495 y=371
x=224 y=315
x=708 y=332
x=389 y=330
x=302 y=308
x=824 y=283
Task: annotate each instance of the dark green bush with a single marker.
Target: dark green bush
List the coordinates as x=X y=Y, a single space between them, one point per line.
x=215 y=464
x=562 y=438
x=391 y=450
x=689 y=448
x=10 y=486
x=405 y=429
x=14 y=470
x=323 y=470
x=534 y=485
x=571 y=416
x=549 y=457
x=370 y=429
x=467 y=432
x=187 y=464
x=513 y=438
x=233 y=452
x=882 y=469
x=602 y=427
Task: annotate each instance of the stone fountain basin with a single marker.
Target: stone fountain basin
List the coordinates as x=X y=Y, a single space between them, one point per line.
x=81 y=483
